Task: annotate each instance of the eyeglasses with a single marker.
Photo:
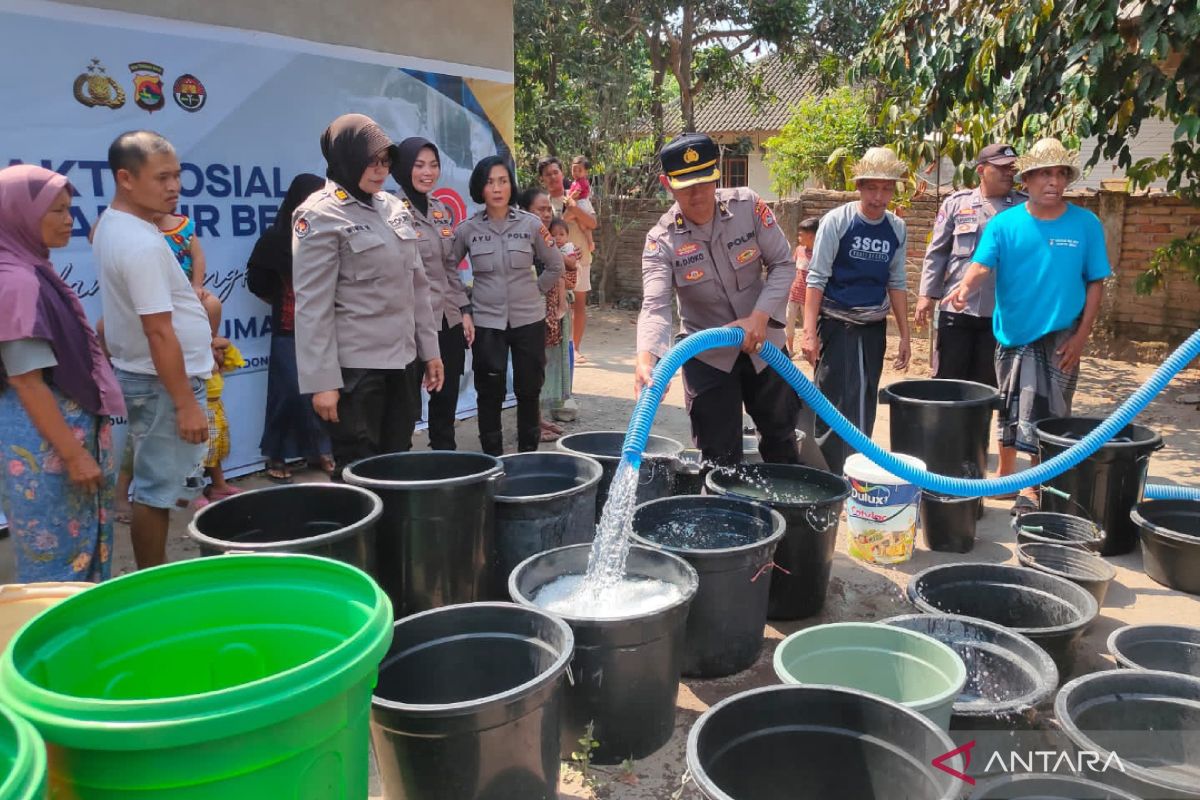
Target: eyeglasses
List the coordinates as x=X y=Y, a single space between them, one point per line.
x=382 y=161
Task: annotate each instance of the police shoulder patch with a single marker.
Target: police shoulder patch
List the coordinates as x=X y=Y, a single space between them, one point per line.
x=764 y=213
x=651 y=247
x=301 y=228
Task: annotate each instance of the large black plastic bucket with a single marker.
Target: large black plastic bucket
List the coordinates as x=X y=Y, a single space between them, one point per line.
x=1050 y=611
x=947 y=424
x=544 y=501
x=625 y=673
x=1170 y=533
x=1045 y=787
x=660 y=461
x=789 y=742
x=1150 y=720
x=1008 y=676
x=730 y=544
x=468 y=704
x=810 y=501
x=1170 y=648
x=436 y=543
x=1105 y=485
x=320 y=519
x=1085 y=569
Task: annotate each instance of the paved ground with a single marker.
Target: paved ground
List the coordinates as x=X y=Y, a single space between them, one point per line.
x=857 y=591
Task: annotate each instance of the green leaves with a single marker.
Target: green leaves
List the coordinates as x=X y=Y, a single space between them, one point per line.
x=824 y=136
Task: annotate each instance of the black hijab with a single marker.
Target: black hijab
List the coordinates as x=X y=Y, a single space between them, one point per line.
x=349 y=144
x=402 y=169
x=271 y=258
x=298 y=191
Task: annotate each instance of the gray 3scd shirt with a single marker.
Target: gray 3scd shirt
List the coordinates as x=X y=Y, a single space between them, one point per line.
x=507 y=291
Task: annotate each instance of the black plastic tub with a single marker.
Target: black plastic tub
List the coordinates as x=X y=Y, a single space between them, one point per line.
x=945 y=423
x=1150 y=720
x=1050 y=611
x=1008 y=676
x=689 y=473
x=1049 y=527
x=1170 y=533
x=656 y=476
x=625 y=672
x=1169 y=648
x=544 y=501
x=790 y=742
x=468 y=704
x=730 y=544
x=948 y=523
x=436 y=543
x=1046 y=787
x=1085 y=569
x=1107 y=483
x=811 y=502
x=320 y=519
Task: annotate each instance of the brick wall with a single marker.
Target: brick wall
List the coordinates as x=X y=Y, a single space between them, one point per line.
x=1130 y=326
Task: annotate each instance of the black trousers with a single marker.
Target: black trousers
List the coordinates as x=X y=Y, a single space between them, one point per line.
x=527 y=345
x=848 y=373
x=966 y=348
x=377 y=412
x=444 y=403
x=714 y=404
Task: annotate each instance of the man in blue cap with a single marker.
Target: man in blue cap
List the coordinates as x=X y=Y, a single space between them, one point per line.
x=724 y=256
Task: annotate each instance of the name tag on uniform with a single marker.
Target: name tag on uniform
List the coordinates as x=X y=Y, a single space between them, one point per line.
x=355 y=228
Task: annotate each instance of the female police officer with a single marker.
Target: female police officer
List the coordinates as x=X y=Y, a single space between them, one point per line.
x=363 y=313
x=508 y=300
x=417 y=169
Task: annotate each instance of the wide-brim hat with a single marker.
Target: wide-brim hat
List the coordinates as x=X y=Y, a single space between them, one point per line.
x=879 y=163
x=1049 y=153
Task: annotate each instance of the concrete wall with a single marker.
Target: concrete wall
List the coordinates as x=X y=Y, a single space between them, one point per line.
x=1130 y=326
x=475 y=32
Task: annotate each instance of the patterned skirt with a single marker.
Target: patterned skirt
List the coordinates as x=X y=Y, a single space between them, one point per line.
x=60 y=532
x=1032 y=388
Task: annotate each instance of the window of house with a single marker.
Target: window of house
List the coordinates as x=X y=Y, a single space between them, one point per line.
x=735 y=171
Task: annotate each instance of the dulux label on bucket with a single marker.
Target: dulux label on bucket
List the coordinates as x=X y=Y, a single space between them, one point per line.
x=882 y=518
x=878 y=495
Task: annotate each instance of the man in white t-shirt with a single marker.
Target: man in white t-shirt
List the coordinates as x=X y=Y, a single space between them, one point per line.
x=158 y=335
x=580 y=217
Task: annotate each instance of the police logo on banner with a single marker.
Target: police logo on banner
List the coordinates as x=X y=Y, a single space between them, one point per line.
x=147 y=85
x=189 y=93
x=94 y=88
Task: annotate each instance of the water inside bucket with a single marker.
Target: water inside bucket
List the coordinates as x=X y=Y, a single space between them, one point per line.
x=625 y=598
x=992 y=674
x=274 y=534
x=715 y=529
x=781 y=490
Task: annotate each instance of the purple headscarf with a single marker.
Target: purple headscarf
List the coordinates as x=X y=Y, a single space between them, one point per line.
x=37 y=303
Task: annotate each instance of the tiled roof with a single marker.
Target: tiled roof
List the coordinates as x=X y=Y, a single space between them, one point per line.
x=732 y=112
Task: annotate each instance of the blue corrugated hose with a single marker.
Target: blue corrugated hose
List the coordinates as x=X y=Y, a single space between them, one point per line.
x=647 y=407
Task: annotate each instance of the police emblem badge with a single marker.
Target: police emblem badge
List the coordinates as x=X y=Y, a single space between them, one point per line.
x=147 y=85
x=94 y=87
x=189 y=93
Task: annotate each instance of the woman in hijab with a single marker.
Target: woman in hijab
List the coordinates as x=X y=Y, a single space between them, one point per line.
x=57 y=392
x=363 y=313
x=291 y=427
x=417 y=169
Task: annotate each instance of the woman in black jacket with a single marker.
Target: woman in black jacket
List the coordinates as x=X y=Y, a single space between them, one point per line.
x=291 y=428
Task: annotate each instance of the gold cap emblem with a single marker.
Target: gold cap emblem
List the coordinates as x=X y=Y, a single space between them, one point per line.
x=690 y=156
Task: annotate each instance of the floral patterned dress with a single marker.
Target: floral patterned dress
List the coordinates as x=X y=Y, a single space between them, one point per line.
x=59 y=532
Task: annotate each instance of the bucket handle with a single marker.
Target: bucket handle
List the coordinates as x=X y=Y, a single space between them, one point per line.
x=684 y=780
x=885 y=397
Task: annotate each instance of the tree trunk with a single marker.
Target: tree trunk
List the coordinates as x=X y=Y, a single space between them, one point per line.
x=681 y=55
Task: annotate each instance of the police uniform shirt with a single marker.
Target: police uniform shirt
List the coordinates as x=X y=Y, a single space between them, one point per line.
x=956 y=232
x=721 y=272
x=435 y=238
x=508 y=292
x=362 y=297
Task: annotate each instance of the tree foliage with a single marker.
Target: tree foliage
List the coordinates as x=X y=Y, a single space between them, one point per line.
x=818 y=139
x=966 y=72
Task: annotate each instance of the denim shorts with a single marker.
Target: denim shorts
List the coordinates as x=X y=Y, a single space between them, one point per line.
x=166 y=469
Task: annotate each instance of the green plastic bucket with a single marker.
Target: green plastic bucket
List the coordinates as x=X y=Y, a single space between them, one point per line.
x=22 y=759
x=244 y=677
x=910 y=668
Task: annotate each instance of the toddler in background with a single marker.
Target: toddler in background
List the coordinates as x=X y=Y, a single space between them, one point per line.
x=581 y=189
x=562 y=238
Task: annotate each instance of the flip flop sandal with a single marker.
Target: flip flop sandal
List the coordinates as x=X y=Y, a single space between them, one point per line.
x=1023 y=505
x=278 y=472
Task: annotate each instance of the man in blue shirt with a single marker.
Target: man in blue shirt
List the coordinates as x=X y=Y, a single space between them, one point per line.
x=1050 y=262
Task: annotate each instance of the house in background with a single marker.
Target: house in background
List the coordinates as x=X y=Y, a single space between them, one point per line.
x=741 y=129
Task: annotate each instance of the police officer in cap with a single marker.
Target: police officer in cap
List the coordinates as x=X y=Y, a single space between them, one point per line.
x=966 y=348
x=728 y=263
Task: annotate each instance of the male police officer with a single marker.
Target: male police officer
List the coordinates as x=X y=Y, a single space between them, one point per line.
x=966 y=348
x=730 y=265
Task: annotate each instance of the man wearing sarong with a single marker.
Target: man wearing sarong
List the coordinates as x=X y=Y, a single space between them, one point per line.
x=1050 y=262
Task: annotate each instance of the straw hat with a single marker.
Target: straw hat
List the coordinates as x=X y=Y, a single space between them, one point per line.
x=879 y=163
x=1049 y=153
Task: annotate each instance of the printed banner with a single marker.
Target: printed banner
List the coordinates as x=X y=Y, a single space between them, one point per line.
x=245 y=111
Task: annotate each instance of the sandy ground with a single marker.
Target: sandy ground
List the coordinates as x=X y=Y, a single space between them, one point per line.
x=857 y=591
